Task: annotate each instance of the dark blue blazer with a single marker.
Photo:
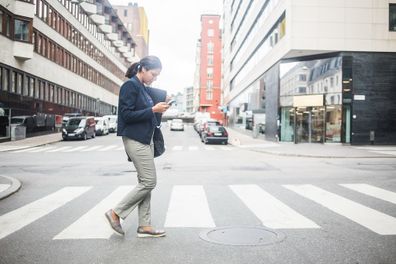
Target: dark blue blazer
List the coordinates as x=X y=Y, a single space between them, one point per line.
x=136 y=119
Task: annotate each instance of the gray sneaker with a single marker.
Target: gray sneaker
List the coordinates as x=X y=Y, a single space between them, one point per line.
x=115 y=225
x=151 y=233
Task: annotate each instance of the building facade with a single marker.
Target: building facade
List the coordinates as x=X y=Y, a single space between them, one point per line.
x=61 y=56
x=320 y=71
x=136 y=22
x=210 y=66
x=189 y=100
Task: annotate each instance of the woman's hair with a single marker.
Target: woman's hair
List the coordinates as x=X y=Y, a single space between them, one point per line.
x=148 y=62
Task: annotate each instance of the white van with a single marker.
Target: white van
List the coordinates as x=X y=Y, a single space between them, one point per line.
x=102 y=126
x=112 y=122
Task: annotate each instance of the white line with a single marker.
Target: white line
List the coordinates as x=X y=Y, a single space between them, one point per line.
x=42 y=149
x=373 y=191
x=92 y=148
x=4 y=187
x=188 y=208
x=108 y=148
x=385 y=152
x=59 y=149
x=29 y=213
x=75 y=149
x=272 y=212
x=25 y=150
x=225 y=148
x=209 y=148
x=177 y=148
x=192 y=148
x=93 y=224
x=374 y=220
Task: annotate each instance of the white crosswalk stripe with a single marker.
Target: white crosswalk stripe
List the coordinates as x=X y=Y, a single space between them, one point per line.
x=26 y=150
x=374 y=220
x=177 y=148
x=193 y=148
x=271 y=211
x=209 y=148
x=189 y=208
x=17 y=219
x=76 y=149
x=108 y=148
x=373 y=191
x=42 y=149
x=92 y=148
x=59 y=149
x=93 y=225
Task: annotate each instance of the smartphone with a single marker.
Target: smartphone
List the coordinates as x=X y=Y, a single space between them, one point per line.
x=171 y=102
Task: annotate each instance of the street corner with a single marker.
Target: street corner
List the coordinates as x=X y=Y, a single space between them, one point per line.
x=8 y=186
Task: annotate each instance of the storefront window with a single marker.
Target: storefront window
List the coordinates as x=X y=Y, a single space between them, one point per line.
x=333 y=123
x=287 y=124
x=392 y=17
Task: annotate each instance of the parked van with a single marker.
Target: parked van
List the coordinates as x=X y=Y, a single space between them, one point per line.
x=81 y=127
x=67 y=116
x=26 y=121
x=112 y=123
x=102 y=126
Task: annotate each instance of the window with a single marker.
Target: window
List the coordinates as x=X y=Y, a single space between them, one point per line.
x=1 y=21
x=302 y=77
x=209 y=72
x=209 y=95
x=125 y=13
x=21 y=30
x=209 y=84
x=210 y=32
x=210 y=47
x=392 y=17
x=210 y=59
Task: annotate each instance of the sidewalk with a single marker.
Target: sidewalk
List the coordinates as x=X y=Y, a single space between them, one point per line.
x=30 y=142
x=243 y=139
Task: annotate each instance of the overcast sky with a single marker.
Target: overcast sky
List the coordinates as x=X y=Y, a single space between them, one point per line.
x=174 y=30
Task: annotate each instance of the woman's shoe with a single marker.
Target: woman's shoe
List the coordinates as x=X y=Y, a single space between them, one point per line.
x=115 y=224
x=150 y=233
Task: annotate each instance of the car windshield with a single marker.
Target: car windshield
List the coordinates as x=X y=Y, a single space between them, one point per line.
x=76 y=122
x=216 y=129
x=213 y=123
x=16 y=120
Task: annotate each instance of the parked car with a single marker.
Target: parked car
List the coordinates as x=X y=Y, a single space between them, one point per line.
x=204 y=126
x=215 y=134
x=81 y=127
x=26 y=121
x=113 y=119
x=101 y=126
x=177 y=124
x=67 y=116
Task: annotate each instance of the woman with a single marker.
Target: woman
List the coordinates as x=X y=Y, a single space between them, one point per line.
x=139 y=112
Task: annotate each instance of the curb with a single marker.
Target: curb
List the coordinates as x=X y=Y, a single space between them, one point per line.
x=15 y=186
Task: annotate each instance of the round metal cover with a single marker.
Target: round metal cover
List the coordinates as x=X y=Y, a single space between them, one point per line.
x=242 y=236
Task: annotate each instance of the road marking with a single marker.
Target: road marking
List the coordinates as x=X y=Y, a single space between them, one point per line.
x=92 y=148
x=189 y=207
x=225 y=148
x=59 y=149
x=372 y=191
x=193 y=148
x=108 y=147
x=209 y=148
x=177 y=148
x=121 y=148
x=41 y=149
x=386 y=152
x=4 y=187
x=17 y=219
x=76 y=149
x=374 y=220
x=93 y=224
x=271 y=211
x=26 y=150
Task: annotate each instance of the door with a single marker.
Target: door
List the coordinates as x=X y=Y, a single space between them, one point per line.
x=309 y=125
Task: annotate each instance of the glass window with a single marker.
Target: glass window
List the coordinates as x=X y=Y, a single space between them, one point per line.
x=210 y=32
x=392 y=17
x=209 y=72
x=333 y=123
x=31 y=86
x=210 y=47
x=21 y=30
x=6 y=79
x=1 y=21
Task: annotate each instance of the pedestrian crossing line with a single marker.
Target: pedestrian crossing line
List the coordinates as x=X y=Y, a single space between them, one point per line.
x=40 y=149
x=21 y=217
x=372 y=191
x=209 y=148
x=92 y=148
x=108 y=148
x=26 y=150
x=225 y=148
x=177 y=148
x=193 y=148
x=76 y=149
x=271 y=211
x=93 y=224
x=59 y=149
x=189 y=207
x=376 y=221
x=4 y=187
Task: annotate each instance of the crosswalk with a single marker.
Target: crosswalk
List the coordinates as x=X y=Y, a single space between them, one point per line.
x=189 y=207
x=104 y=148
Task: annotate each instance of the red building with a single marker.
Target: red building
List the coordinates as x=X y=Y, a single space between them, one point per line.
x=210 y=67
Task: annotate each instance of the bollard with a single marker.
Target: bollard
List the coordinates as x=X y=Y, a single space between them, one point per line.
x=372 y=137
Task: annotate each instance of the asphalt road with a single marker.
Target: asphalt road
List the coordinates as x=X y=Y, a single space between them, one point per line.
x=295 y=210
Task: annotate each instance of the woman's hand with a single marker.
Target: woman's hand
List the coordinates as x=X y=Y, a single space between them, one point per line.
x=160 y=107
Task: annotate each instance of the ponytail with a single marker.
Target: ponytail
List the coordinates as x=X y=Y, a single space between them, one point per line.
x=148 y=63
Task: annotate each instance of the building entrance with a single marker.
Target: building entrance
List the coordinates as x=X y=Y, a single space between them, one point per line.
x=309 y=124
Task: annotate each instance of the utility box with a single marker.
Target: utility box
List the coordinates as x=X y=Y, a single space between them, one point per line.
x=18 y=132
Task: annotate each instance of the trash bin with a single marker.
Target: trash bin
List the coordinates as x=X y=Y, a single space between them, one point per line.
x=18 y=132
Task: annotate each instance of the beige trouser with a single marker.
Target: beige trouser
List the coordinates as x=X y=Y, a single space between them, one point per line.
x=142 y=157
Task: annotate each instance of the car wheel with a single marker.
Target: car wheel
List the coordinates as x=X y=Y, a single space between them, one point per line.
x=85 y=136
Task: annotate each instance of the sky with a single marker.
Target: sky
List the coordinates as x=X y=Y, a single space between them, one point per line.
x=174 y=31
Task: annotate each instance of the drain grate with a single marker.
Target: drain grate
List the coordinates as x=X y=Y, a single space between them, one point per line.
x=242 y=236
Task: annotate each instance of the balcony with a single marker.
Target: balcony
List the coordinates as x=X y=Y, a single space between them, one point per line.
x=22 y=50
x=88 y=7
x=106 y=28
x=127 y=54
x=20 y=8
x=122 y=49
x=98 y=19
x=112 y=36
x=118 y=43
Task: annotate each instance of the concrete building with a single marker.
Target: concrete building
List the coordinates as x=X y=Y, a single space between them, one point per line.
x=136 y=22
x=61 y=56
x=321 y=71
x=189 y=100
x=210 y=66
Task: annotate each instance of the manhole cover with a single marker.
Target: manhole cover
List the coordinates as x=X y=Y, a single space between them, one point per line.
x=242 y=236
